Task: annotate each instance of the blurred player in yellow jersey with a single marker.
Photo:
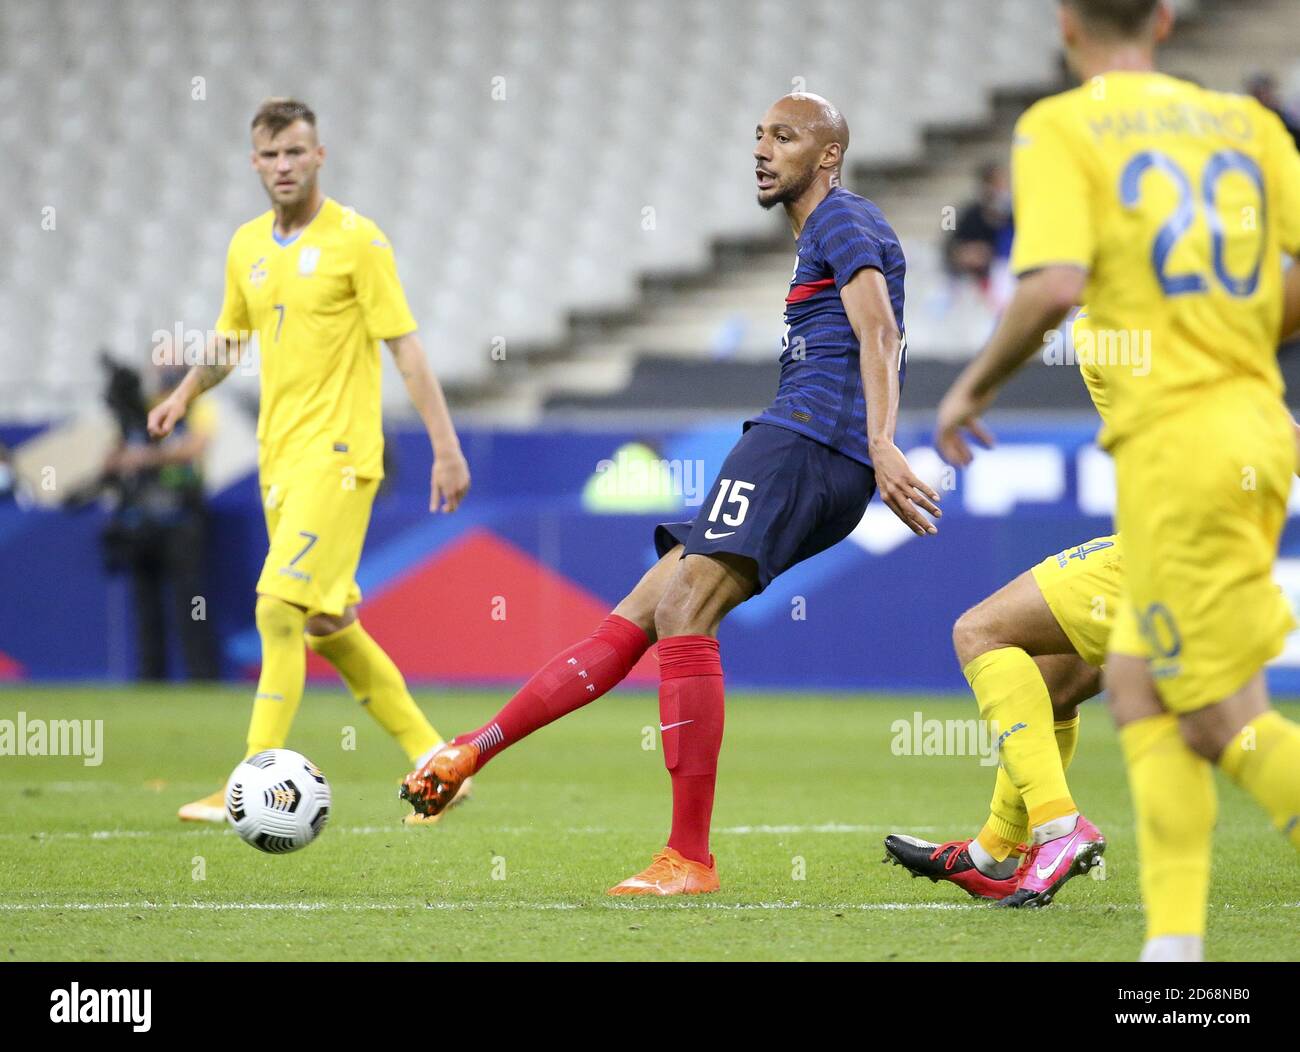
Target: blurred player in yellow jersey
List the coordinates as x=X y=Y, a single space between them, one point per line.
x=1060 y=614
x=317 y=283
x=1032 y=653
x=1171 y=210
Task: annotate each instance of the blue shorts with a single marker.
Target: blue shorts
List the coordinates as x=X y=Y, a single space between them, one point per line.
x=780 y=498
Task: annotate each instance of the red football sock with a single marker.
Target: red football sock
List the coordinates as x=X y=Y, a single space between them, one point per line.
x=568 y=681
x=690 y=721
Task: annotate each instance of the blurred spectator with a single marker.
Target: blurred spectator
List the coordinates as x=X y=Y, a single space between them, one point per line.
x=158 y=529
x=984 y=227
x=1263 y=86
x=978 y=251
x=8 y=480
x=14 y=489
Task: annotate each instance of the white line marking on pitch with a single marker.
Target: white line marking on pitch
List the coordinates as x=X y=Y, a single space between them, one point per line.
x=826 y=827
x=387 y=907
x=759 y=830
x=309 y=907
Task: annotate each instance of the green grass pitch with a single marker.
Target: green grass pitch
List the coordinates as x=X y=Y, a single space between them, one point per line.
x=94 y=865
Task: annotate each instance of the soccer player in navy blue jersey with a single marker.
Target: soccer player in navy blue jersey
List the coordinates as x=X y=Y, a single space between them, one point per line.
x=841 y=239
x=798 y=481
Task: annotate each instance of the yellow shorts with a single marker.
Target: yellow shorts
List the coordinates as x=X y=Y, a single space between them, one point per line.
x=1082 y=586
x=316 y=522
x=1202 y=499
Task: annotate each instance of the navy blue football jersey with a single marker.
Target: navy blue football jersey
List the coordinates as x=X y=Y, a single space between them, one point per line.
x=820 y=392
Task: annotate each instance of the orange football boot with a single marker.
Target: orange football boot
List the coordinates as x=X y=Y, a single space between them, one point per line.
x=208 y=809
x=671 y=873
x=432 y=788
x=415 y=819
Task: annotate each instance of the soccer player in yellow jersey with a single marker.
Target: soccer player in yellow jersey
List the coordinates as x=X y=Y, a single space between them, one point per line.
x=1060 y=613
x=1032 y=653
x=1170 y=209
x=317 y=283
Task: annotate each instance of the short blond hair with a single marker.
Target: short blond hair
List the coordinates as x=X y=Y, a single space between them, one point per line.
x=278 y=113
x=1120 y=18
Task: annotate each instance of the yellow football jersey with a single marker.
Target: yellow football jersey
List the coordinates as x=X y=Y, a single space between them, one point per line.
x=319 y=303
x=1084 y=343
x=1180 y=203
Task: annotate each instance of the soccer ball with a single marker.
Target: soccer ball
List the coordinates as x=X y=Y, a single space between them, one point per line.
x=278 y=801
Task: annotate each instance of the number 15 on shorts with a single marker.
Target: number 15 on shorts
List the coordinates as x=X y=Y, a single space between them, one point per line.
x=731 y=494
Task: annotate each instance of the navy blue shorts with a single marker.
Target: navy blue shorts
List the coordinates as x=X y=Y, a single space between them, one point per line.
x=780 y=498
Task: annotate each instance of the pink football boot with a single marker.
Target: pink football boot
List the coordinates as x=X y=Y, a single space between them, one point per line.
x=1051 y=863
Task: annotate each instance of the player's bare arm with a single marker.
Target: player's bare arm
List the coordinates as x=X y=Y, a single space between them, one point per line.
x=1041 y=302
x=1291 y=302
x=450 y=481
x=187 y=449
x=223 y=355
x=866 y=302
x=1291 y=326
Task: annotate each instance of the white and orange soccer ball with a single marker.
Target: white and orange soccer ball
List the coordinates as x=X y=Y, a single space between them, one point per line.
x=278 y=801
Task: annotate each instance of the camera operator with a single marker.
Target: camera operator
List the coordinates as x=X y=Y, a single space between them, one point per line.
x=157 y=531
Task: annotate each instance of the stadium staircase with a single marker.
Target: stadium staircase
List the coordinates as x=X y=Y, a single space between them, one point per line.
x=708 y=341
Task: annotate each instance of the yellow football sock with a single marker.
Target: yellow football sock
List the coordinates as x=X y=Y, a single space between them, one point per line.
x=1175 y=804
x=1067 y=740
x=1264 y=759
x=1007 y=826
x=377 y=684
x=1013 y=696
x=284 y=669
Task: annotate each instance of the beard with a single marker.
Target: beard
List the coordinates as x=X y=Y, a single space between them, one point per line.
x=300 y=193
x=787 y=190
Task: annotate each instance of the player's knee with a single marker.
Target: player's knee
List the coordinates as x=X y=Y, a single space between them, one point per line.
x=970 y=636
x=641 y=614
x=328 y=624
x=641 y=604
x=1205 y=741
x=276 y=618
x=675 y=612
x=1130 y=694
x=670 y=618
x=1067 y=696
x=1064 y=711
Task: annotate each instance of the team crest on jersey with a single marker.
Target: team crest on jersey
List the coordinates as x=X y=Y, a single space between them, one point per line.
x=257 y=273
x=307 y=260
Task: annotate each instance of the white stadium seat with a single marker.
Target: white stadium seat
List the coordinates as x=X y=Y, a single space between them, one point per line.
x=508 y=214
